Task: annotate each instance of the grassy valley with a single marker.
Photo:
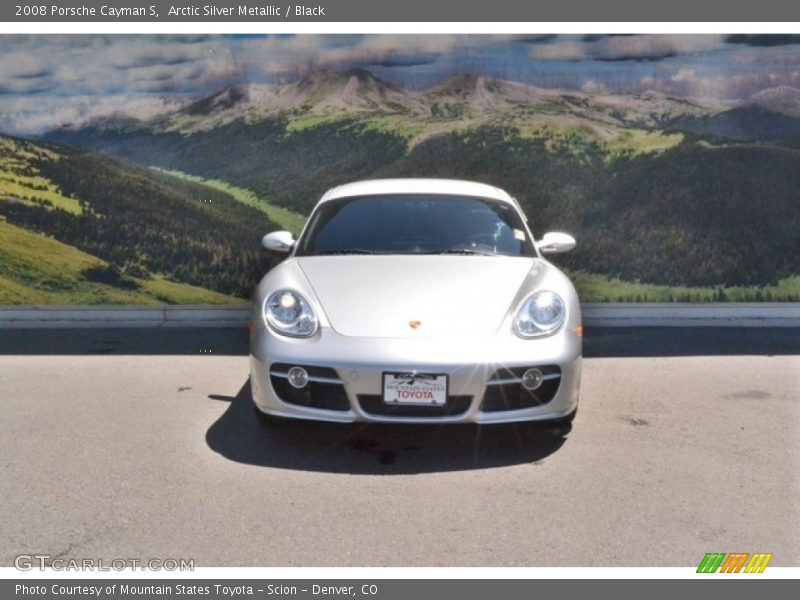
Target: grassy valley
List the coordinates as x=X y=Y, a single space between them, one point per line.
x=282 y=217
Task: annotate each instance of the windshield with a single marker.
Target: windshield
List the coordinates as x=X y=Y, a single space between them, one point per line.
x=416 y=224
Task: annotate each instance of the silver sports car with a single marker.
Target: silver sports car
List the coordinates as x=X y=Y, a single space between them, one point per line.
x=416 y=301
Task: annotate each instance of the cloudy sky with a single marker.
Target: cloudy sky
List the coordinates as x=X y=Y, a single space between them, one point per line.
x=48 y=80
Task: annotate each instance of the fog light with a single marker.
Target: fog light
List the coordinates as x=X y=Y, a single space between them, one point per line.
x=532 y=379
x=298 y=378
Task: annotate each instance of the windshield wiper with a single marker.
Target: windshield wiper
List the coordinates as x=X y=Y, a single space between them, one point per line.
x=462 y=251
x=345 y=251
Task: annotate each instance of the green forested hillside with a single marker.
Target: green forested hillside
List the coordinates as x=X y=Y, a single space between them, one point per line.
x=748 y=124
x=144 y=227
x=693 y=214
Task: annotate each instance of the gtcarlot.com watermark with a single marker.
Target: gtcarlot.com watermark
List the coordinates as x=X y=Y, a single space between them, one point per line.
x=29 y=562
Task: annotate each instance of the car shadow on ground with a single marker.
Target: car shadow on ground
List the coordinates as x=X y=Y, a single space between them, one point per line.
x=373 y=449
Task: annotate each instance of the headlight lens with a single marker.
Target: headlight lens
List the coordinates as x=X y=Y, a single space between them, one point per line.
x=541 y=314
x=289 y=313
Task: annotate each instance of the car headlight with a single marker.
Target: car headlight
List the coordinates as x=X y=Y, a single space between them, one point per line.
x=289 y=313
x=541 y=314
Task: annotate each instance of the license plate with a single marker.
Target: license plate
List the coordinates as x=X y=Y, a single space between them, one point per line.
x=414 y=388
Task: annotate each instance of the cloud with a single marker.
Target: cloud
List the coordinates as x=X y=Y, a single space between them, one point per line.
x=763 y=40
x=393 y=49
x=403 y=61
x=594 y=87
x=759 y=56
x=289 y=56
x=691 y=83
x=34 y=74
x=56 y=111
x=343 y=52
x=559 y=51
x=17 y=87
x=23 y=65
x=343 y=58
x=537 y=39
x=684 y=76
x=595 y=37
x=50 y=80
x=650 y=47
x=121 y=59
x=77 y=65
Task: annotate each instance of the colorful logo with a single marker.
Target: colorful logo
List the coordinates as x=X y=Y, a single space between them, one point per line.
x=735 y=562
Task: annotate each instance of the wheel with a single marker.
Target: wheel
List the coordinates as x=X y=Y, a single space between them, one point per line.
x=266 y=420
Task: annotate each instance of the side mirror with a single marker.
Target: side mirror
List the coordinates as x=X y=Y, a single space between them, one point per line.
x=278 y=241
x=554 y=242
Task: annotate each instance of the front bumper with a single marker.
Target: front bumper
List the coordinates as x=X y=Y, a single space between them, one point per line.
x=353 y=368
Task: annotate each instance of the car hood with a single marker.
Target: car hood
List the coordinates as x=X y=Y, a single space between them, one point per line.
x=416 y=296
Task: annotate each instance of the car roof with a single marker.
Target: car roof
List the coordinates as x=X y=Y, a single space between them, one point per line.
x=414 y=185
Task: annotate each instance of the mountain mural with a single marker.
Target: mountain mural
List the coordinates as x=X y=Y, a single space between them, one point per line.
x=145 y=169
x=671 y=198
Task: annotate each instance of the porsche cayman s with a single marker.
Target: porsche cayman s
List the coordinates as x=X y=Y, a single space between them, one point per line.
x=416 y=301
